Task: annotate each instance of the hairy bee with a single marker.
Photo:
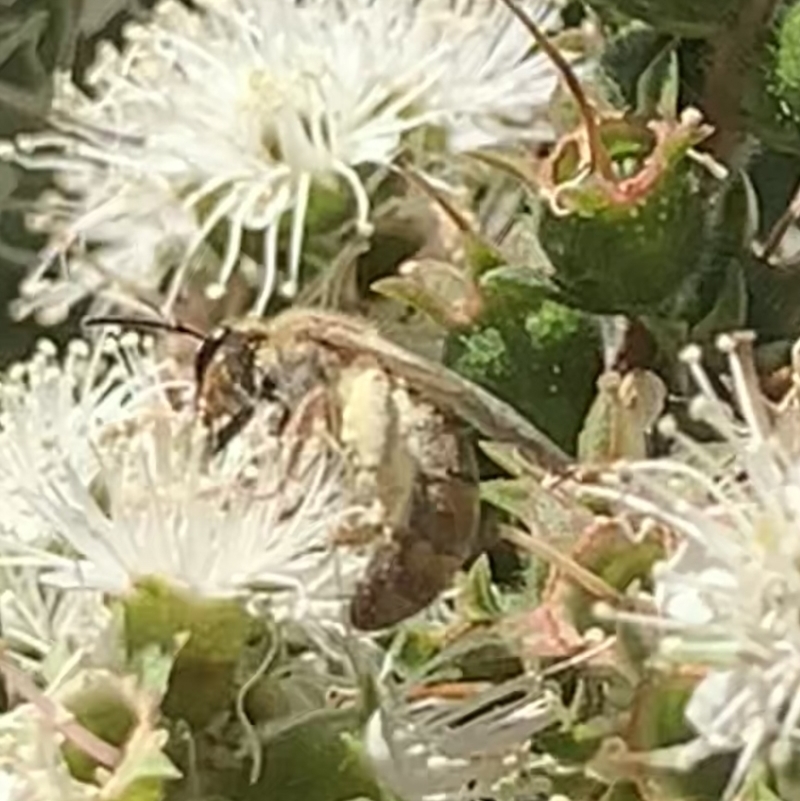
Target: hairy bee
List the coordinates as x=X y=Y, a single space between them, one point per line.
x=400 y=421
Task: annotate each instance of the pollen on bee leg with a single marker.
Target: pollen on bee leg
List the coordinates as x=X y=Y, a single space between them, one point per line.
x=356 y=536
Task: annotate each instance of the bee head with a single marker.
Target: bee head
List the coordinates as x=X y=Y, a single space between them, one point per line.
x=231 y=380
x=228 y=383
x=237 y=368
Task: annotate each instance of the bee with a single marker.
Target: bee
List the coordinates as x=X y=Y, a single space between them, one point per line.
x=401 y=422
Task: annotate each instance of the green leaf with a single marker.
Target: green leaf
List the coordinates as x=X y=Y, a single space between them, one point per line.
x=506 y=455
x=522 y=286
x=513 y=496
x=667 y=102
x=605 y=550
x=688 y=18
x=543 y=361
x=786 y=69
x=774 y=301
x=539 y=509
x=478 y=599
x=153 y=666
x=730 y=310
x=732 y=223
x=481 y=256
x=316 y=761
x=657 y=721
x=144 y=775
x=36 y=38
x=639 y=61
x=756 y=786
x=96 y=14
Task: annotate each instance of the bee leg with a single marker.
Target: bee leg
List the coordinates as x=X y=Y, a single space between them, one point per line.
x=313 y=408
x=221 y=436
x=408 y=572
x=311 y=417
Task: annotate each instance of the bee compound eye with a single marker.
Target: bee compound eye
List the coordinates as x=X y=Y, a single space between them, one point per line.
x=268 y=388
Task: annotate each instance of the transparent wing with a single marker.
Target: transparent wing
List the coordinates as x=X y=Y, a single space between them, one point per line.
x=494 y=418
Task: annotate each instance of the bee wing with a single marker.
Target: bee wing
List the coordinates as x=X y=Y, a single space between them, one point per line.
x=494 y=418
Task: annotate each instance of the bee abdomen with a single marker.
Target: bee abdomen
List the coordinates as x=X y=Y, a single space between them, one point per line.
x=403 y=578
x=408 y=572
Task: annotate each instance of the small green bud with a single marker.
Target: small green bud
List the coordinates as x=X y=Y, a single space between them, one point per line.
x=216 y=631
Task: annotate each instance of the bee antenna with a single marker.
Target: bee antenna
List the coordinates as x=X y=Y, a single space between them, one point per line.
x=144 y=323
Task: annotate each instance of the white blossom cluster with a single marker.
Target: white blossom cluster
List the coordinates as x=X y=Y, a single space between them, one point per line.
x=203 y=149
x=199 y=150
x=108 y=483
x=222 y=123
x=727 y=597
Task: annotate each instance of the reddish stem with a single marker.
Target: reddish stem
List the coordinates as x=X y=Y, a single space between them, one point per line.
x=599 y=160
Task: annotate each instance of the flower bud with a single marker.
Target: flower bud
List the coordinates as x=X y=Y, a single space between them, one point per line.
x=623 y=227
x=202 y=679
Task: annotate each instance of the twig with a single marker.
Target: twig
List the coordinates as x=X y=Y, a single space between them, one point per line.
x=733 y=48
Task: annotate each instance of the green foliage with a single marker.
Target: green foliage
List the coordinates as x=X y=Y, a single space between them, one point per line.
x=679 y=17
x=317 y=761
x=658 y=722
x=635 y=64
x=786 y=69
x=678 y=221
x=542 y=359
x=625 y=244
x=209 y=637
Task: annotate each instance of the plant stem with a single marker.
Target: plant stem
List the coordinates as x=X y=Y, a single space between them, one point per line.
x=732 y=58
x=538 y=546
x=600 y=161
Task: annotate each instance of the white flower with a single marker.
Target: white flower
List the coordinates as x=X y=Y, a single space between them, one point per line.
x=113 y=236
x=52 y=409
x=728 y=597
x=158 y=508
x=226 y=120
x=428 y=747
x=44 y=626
